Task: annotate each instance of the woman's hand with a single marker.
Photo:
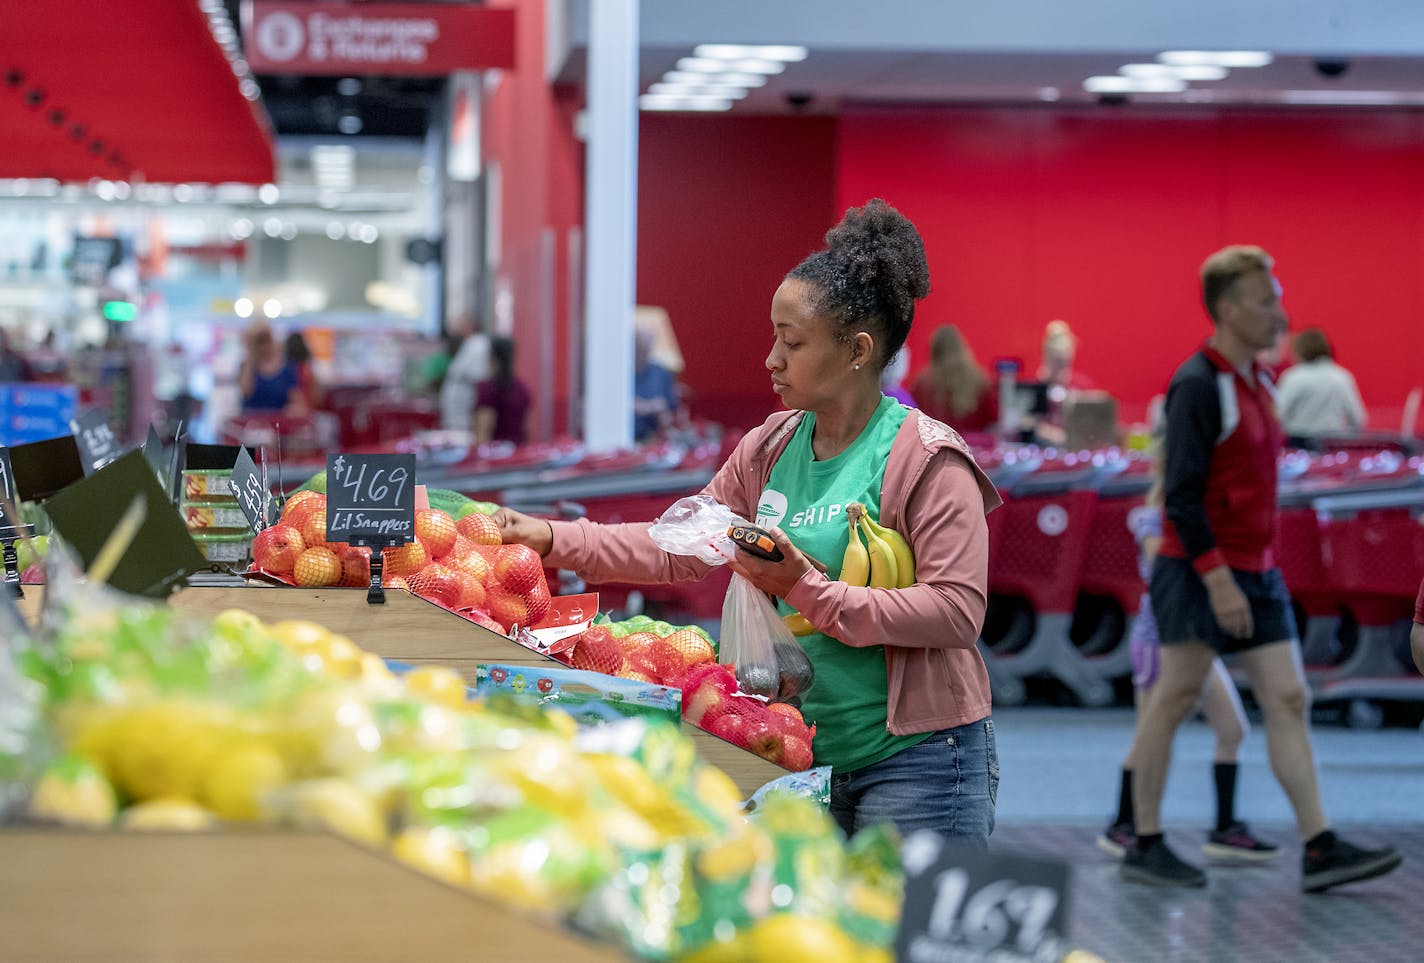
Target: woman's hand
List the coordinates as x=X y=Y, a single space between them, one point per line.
x=776 y=578
x=518 y=528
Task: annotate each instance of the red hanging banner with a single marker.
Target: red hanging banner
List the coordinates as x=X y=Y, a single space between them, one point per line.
x=393 y=39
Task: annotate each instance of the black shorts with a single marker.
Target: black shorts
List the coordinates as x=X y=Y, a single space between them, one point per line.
x=1183 y=613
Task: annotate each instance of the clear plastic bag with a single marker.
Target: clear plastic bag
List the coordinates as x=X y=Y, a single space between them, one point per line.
x=751 y=628
x=697 y=526
x=751 y=635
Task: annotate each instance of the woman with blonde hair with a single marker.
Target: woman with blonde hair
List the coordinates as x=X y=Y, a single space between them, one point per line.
x=954 y=389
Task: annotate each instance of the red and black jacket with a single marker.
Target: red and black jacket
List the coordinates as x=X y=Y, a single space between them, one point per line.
x=1223 y=436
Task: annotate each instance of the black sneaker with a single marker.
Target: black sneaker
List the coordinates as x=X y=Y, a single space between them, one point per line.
x=1159 y=866
x=1235 y=844
x=1340 y=863
x=1116 y=839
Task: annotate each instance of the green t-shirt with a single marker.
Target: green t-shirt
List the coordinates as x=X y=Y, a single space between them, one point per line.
x=807 y=498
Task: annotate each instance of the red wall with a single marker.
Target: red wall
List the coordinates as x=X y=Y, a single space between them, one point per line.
x=1101 y=217
x=726 y=206
x=1098 y=216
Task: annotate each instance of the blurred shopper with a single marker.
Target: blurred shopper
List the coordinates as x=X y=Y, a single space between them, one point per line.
x=654 y=390
x=269 y=382
x=954 y=389
x=1214 y=587
x=501 y=400
x=1317 y=396
x=299 y=354
x=13 y=365
x=901 y=695
x=1416 y=634
x=469 y=365
x=1060 y=379
x=1218 y=701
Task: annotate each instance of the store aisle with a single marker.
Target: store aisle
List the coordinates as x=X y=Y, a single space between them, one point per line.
x=1059 y=779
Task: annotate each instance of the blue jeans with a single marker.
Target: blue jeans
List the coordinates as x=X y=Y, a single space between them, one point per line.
x=948 y=783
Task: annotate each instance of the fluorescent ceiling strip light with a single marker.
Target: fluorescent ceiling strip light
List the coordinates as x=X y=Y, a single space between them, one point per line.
x=1179 y=71
x=692 y=90
x=663 y=102
x=707 y=65
x=787 y=53
x=1219 y=58
x=718 y=80
x=1117 y=84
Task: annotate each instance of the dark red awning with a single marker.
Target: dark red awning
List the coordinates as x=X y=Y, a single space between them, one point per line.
x=123 y=89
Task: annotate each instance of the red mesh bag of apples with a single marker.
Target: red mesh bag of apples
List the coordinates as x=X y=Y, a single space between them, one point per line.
x=711 y=700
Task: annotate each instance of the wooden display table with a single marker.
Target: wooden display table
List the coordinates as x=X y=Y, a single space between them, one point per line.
x=258 y=895
x=410 y=629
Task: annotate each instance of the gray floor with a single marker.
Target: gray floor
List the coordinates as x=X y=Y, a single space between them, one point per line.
x=1059 y=784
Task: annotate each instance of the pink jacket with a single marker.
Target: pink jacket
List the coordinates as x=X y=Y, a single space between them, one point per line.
x=936 y=678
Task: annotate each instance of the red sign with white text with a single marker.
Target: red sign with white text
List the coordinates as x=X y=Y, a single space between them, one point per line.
x=395 y=39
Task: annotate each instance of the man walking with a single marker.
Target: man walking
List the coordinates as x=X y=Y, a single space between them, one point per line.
x=1215 y=589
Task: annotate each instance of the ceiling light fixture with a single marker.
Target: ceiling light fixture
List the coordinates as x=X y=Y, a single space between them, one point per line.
x=750 y=65
x=787 y=53
x=694 y=90
x=665 y=102
x=717 y=80
x=1118 y=84
x=1218 y=58
x=1180 y=71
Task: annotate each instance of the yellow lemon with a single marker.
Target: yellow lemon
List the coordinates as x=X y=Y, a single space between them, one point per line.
x=342 y=657
x=374 y=672
x=74 y=792
x=735 y=950
x=299 y=633
x=717 y=790
x=341 y=807
x=165 y=814
x=791 y=936
x=236 y=622
x=433 y=850
x=437 y=683
x=240 y=780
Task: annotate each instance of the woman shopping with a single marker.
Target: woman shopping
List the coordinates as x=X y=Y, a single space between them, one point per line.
x=901 y=695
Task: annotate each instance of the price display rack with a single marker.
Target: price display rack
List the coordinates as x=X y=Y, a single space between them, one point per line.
x=370 y=501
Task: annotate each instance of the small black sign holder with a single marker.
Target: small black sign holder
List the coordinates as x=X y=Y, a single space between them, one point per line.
x=8 y=536
x=376 y=592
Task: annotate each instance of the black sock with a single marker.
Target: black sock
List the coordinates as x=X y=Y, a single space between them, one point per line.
x=1144 y=843
x=1124 y=800
x=1322 y=840
x=1225 y=794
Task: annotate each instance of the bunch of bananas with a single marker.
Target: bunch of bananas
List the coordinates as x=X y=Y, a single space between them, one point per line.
x=885 y=560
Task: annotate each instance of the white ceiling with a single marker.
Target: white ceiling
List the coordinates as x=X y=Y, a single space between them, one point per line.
x=1022 y=51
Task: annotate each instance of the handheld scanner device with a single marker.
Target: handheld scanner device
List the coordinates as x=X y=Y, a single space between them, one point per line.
x=749 y=538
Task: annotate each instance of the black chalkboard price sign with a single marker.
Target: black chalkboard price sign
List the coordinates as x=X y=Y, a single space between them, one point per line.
x=7 y=488
x=973 y=907
x=98 y=445
x=370 y=500
x=249 y=487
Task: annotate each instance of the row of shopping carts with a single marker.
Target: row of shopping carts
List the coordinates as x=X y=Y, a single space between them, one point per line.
x=1065 y=585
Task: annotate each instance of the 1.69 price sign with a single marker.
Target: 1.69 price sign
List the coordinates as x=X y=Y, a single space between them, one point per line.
x=963 y=906
x=370 y=499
